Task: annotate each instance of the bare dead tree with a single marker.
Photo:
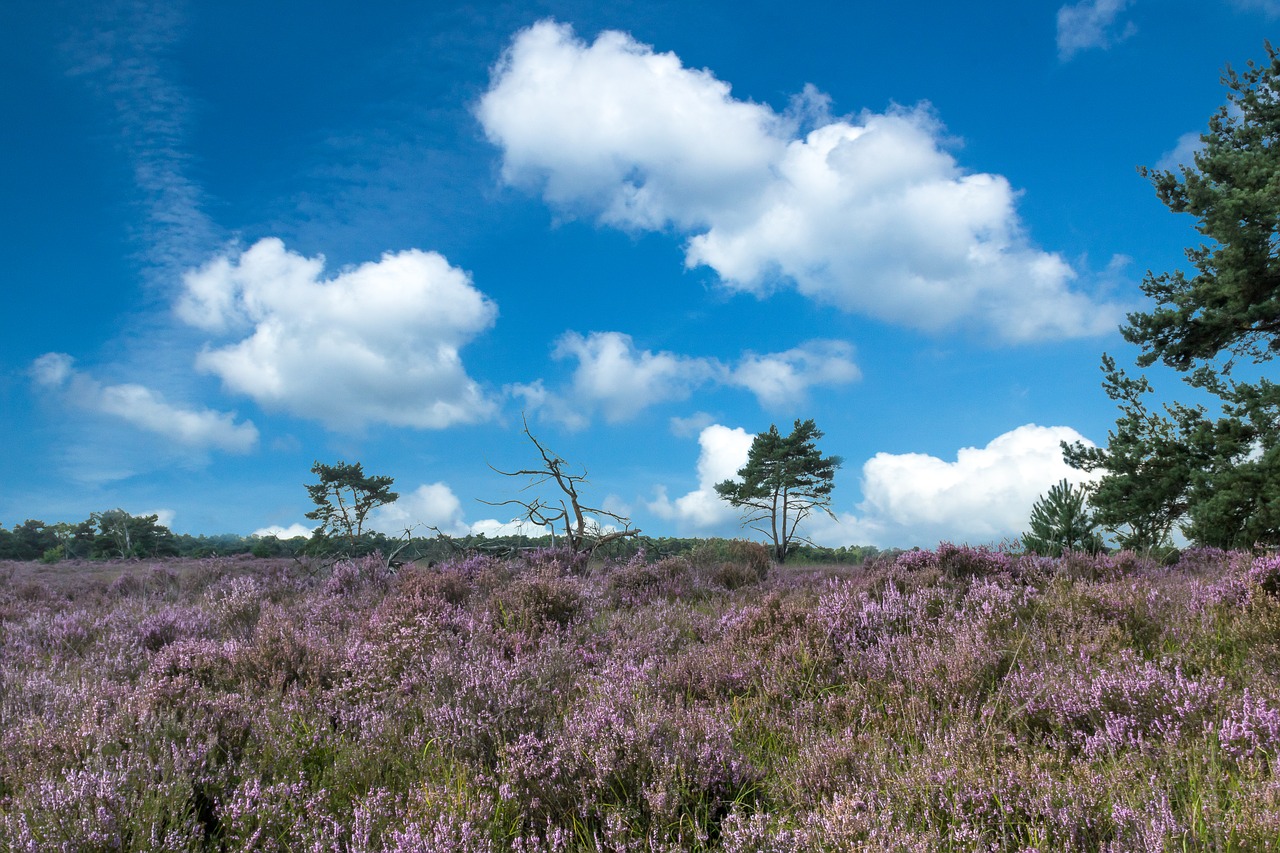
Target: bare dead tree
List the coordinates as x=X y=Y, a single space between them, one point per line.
x=582 y=530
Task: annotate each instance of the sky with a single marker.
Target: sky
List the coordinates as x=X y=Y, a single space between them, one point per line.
x=240 y=238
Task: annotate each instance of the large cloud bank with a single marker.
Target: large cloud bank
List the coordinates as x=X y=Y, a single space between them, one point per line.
x=871 y=214
x=984 y=495
x=375 y=344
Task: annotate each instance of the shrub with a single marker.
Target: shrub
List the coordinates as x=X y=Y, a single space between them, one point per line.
x=754 y=556
x=445 y=583
x=126 y=585
x=731 y=576
x=349 y=577
x=638 y=581
x=965 y=561
x=536 y=600
x=237 y=601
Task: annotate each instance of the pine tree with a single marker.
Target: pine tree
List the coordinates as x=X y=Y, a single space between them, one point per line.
x=1060 y=522
x=1216 y=475
x=785 y=479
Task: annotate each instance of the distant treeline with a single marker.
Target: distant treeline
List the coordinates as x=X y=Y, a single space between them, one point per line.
x=115 y=534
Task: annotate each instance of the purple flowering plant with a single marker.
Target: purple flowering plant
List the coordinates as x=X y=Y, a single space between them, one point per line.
x=957 y=699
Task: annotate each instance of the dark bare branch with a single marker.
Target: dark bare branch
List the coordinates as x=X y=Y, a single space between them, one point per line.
x=582 y=531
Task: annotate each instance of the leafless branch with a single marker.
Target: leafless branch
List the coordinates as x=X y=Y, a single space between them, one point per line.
x=581 y=529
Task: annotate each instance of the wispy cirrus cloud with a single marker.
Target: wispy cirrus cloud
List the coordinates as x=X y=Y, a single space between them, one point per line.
x=870 y=214
x=1270 y=8
x=1092 y=24
x=193 y=428
x=123 y=54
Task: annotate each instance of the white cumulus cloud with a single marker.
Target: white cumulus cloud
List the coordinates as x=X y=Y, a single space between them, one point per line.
x=618 y=379
x=1091 y=24
x=195 y=428
x=872 y=215
x=613 y=375
x=780 y=379
x=429 y=505
x=723 y=450
x=289 y=532
x=374 y=344
x=984 y=494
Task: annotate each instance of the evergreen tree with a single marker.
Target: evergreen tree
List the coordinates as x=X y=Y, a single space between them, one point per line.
x=1060 y=522
x=1217 y=476
x=344 y=497
x=785 y=479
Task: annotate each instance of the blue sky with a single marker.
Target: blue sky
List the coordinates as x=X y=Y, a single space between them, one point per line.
x=244 y=237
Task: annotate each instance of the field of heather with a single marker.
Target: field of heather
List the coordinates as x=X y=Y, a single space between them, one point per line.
x=958 y=699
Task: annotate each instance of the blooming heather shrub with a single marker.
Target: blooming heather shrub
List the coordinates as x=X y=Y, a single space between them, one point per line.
x=162 y=581
x=709 y=553
x=1082 y=565
x=101 y=808
x=734 y=575
x=752 y=555
x=34 y=592
x=237 y=601
x=483 y=690
x=483 y=572
x=287 y=650
x=964 y=561
x=270 y=816
x=541 y=597
x=171 y=623
x=556 y=561
x=854 y=618
x=916 y=560
x=444 y=583
x=664 y=766
x=1250 y=728
x=711 y=672
x=125 y=585
x=1230 y=583
x=1264 y=573
x=638 y=581
x=349 y=577
x=1125 y=704
x=203 y=574
x=66 y=633
x=902 y=706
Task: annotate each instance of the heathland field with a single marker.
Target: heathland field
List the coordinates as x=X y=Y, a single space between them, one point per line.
x=957 y=699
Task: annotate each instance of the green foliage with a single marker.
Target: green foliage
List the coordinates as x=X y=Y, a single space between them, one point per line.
x=1216 y=476
x=120 y=534
x=1233 y=302
x=784 y=480
x=27 y=541
x=344 y=497
x=1147 y=467
x=1060 y=522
